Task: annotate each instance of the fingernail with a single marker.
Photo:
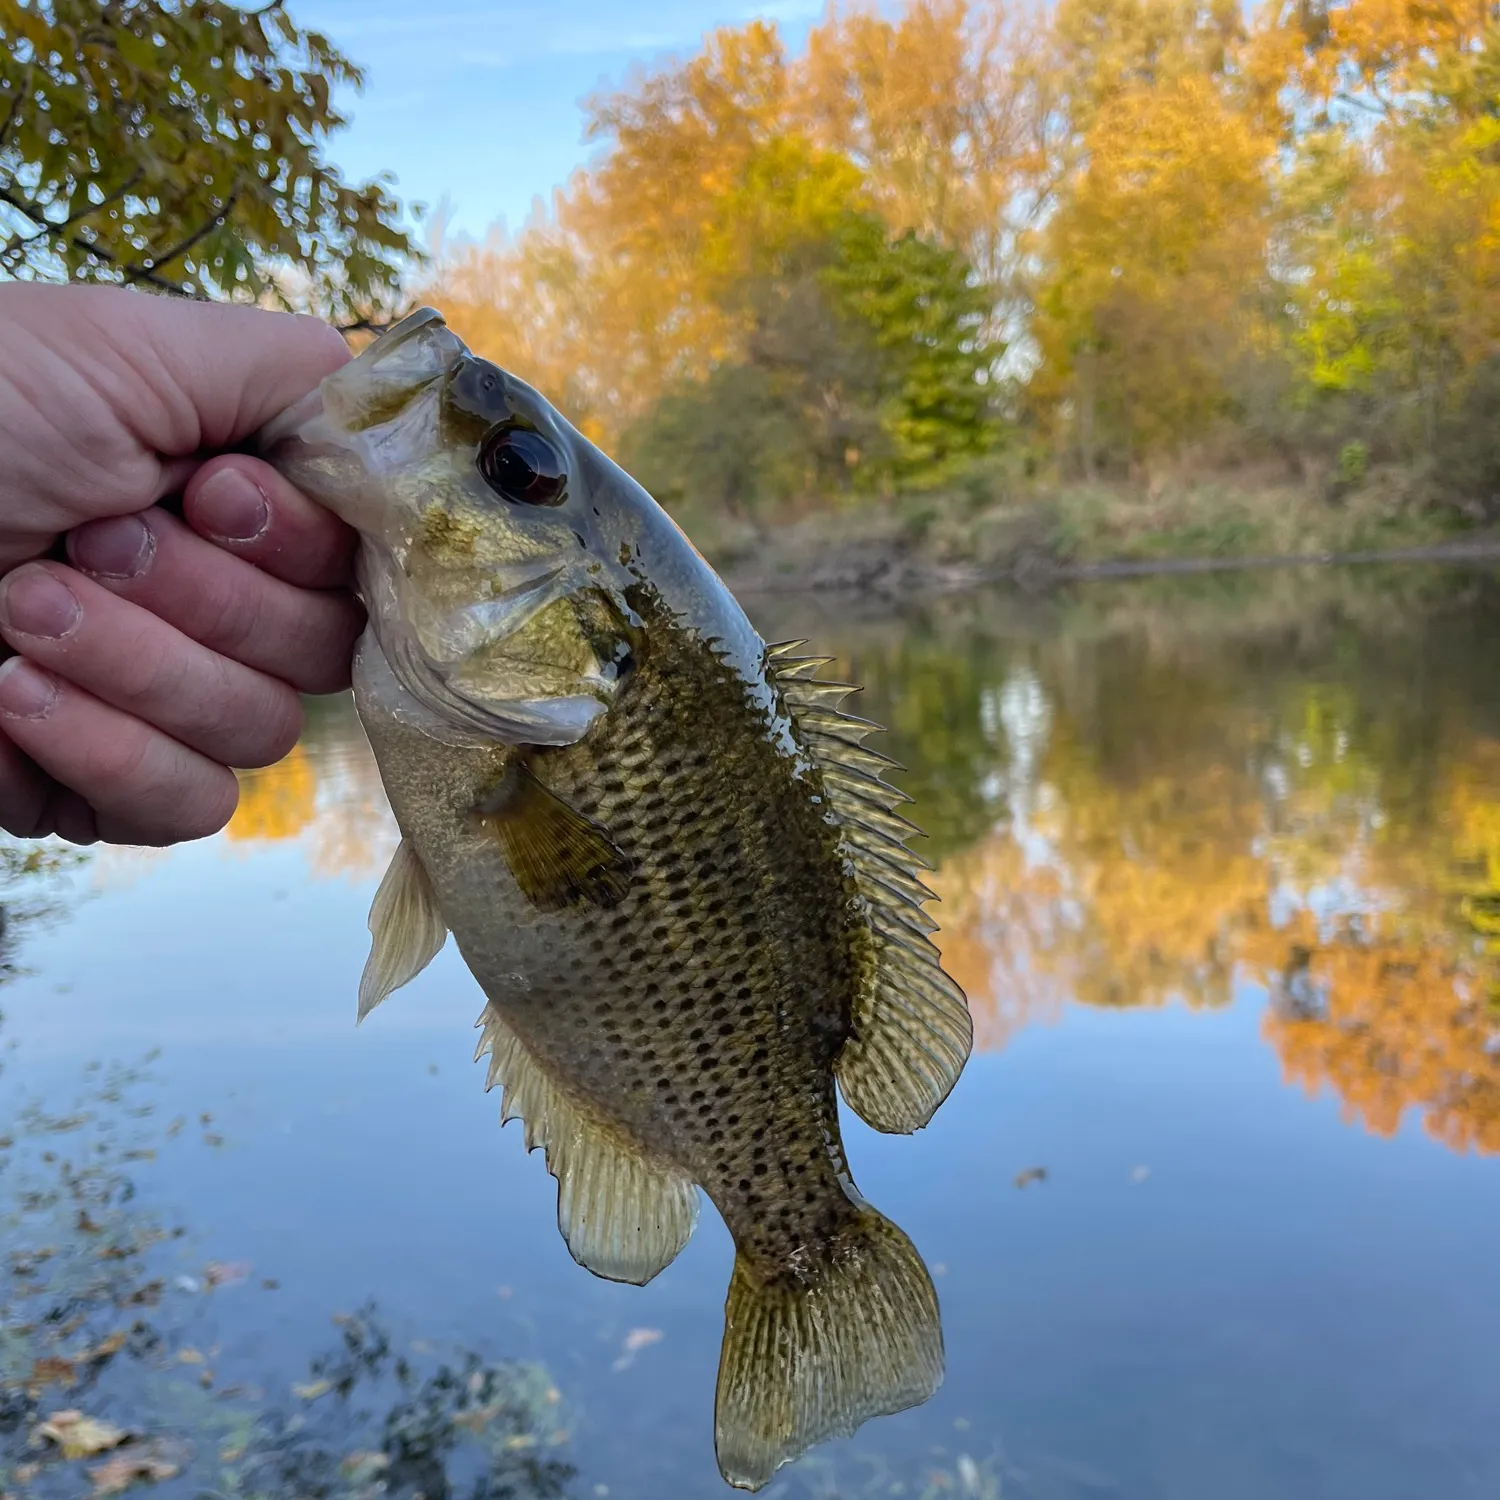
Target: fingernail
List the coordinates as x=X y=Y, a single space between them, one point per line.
x=121 y=547
x=26 y=692
x=231 y=507
x=36 y=602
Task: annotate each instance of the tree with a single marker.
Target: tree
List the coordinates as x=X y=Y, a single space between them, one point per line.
x=179 y=144
x=1151 y=262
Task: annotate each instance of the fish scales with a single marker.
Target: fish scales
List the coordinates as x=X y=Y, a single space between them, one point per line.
x=691 y=1011
x=667 y=857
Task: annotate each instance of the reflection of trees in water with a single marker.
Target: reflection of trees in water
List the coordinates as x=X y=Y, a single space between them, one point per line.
x=1306 y=798
x=326 y=794
x=1138 y=794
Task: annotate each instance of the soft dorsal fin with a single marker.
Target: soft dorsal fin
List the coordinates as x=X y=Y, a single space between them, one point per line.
x=623 y=1217
x=911 y=1027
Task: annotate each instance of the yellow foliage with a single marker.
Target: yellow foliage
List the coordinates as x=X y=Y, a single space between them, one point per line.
x=277 y=802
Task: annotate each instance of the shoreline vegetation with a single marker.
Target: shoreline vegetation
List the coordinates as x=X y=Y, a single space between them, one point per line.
x=950 y=289
x=947 y=543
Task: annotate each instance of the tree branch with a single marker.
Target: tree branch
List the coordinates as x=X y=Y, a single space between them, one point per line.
x=182 y=248
x=13 y=113
x=54 y=227
x=98 y=252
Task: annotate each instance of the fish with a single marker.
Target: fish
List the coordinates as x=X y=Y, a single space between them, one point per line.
x=667 y=856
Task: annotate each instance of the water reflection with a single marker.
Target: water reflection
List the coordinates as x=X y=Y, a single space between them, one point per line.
x=1146 y=795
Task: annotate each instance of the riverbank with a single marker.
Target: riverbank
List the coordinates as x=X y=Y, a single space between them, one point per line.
x=1038 y=538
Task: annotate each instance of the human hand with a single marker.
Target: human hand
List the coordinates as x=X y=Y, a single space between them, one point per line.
x=171 y=649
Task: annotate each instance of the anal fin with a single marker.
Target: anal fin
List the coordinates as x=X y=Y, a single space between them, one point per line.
x=624 y=1218
x=407 y=930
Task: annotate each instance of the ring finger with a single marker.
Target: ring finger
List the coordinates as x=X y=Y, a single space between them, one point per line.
x=137 y=663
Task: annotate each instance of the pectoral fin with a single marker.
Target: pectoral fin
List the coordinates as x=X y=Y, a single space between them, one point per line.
x=406 y=929
x=559 y=857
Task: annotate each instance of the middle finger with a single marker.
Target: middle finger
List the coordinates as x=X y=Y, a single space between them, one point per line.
x=303 y=636
x=138 y=663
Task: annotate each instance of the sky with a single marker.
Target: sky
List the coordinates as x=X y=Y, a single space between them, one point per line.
x=475 y=105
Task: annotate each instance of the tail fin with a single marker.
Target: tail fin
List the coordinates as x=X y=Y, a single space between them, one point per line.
x=816 y=1352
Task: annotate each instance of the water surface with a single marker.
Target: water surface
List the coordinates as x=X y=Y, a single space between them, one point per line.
x=1219 y=863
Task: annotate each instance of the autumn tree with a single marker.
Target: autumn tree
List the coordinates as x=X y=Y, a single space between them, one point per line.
x=180 y=145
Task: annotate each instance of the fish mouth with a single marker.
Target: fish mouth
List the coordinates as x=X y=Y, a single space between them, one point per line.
x=406 y=359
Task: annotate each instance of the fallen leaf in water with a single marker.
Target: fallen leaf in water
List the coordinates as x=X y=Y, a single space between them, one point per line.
x=226 y=1272
x=189 y=1357
x=312 y=1390
x=51 y=1370
x=103 y=1350
x=233 y=1453
x=361 y=1467
x=117 y=1474
x=519 y=1441
x=79 y=1436
x=1030 y=1175
x=636 y=1340
x=86 y=1225
x=146 y=1154
x=175 y=1128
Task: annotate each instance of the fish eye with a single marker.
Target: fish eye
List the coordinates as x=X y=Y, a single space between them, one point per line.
x=521 y=465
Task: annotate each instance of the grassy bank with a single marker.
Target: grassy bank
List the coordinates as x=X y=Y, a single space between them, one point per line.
x=992 y=529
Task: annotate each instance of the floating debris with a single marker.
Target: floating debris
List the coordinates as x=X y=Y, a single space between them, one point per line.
x=1030 y=1175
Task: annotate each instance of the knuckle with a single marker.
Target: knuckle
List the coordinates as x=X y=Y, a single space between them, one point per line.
x=117 y=762
x=234 y=617
x=277 y=730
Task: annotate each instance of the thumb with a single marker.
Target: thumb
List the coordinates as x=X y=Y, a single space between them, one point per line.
x=180 y=375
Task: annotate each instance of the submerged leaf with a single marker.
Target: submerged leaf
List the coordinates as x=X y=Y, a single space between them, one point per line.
x=79 y=1436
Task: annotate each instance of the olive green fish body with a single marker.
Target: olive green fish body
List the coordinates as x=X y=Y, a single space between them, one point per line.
x=702 y=1013
x=668 y=858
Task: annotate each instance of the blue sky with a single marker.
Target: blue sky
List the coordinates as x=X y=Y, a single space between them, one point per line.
x=479 y=103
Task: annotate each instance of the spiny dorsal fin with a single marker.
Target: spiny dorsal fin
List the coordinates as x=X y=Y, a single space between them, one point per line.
x=407 y=930
x=911 y=1027
x=559 y=857
x=623 y=1217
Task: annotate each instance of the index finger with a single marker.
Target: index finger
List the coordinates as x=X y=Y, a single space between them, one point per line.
x=244 y=506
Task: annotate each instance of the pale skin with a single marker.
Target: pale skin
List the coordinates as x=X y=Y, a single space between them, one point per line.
x=155 y=645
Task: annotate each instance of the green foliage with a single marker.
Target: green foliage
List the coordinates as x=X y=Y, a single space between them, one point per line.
x=862 y=365
x=1354 y=459
x=1467 y=459
x=180 y=144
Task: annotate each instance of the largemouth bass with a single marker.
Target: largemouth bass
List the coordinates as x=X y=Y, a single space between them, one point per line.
x=667 y=857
